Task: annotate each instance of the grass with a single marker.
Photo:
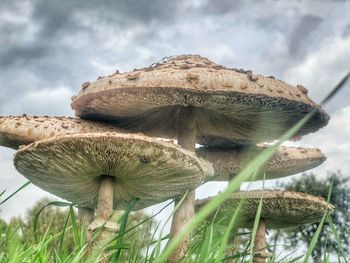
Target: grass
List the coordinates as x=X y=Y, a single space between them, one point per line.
x=209 y=243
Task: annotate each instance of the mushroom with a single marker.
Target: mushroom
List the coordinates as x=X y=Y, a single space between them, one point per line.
x=286 y=161
x=193 y=99
x=227 y=106
x=22 y=130
x=280 y=209
x=107 y=171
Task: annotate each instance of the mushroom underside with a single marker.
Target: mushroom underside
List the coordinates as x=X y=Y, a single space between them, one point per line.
x=286 y=161
x=71 y=167
x=280 y=209
x=222 y=118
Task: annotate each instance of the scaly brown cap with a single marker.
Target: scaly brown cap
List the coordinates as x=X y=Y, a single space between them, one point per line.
x=286 y=161
x=149 y=169
x=280 y=209
x=230 y=105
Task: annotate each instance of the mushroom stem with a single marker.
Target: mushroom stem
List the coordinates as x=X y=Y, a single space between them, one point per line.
x=260 y=243
x=105 y=198
x=187 y=139
x=104 y=211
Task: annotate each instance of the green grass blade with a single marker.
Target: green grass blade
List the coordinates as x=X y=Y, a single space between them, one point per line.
x=255 y=228
x=122 y=221
x=337 y=238
x=75 y=227
x=227 y=234
x=14 y=193
x=60 y=244
x=36 y=218
x=336 y=89
x=318 y=230
x=2 y=193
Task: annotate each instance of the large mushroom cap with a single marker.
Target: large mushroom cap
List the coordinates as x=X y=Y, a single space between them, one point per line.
x=151 y=170
x=230 y=105
x=21 y=130
x=281 y=209
x=286 y=161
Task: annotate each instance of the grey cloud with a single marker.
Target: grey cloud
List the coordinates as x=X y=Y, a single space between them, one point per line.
x=302 y=34
x=59 y=20
x=346 y=31
x=224 y=6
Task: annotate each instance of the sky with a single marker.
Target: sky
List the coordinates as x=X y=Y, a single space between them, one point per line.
x=49 y=48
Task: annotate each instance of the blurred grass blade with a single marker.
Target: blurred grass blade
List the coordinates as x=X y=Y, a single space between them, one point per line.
x=2 y=193
x=15 y=192
x=336 y=89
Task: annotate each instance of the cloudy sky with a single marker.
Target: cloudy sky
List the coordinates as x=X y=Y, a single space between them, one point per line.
x=48 y=48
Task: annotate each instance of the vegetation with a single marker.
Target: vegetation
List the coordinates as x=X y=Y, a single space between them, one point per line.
x=52 y=228
x=63 y=241
x=340 y=198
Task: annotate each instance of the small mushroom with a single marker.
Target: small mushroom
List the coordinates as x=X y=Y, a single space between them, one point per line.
x=280 y=209
x=285 y=162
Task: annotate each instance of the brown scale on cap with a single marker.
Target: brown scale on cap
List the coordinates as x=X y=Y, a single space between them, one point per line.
x=252 y=77
x=133 y=76
x=286 y=161
x=302 y=89
x=228 y=106
x=85 y=85
x=281 y=209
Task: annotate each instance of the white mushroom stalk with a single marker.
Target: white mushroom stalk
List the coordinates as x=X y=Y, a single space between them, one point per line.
x=184 y=213
x=259 y=252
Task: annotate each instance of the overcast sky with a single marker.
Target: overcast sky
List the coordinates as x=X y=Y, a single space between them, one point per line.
x=48 y=48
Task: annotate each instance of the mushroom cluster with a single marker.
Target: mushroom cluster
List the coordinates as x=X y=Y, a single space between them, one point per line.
x=100 y=161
